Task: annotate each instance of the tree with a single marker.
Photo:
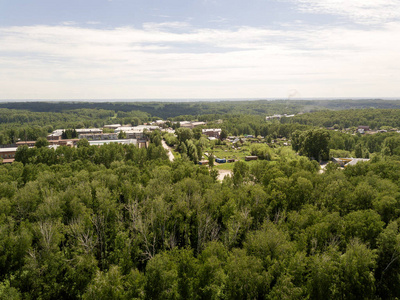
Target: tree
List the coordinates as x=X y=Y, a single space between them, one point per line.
x=246 y=277
x=388 y=268
x=162 y=277
x=82 y=143
x=41 y=142
x=391 y=146
x=240 y=172
x=312 y=143
x=122 y=135
x=106 y=285
x=211 y=160
x=223 y=135
x=156 y=138
x=357 y=268
x=184 y=134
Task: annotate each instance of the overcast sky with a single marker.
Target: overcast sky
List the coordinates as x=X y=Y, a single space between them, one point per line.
x=130 y=49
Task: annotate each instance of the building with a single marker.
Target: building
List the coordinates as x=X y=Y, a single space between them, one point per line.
x=66 y=142
x=248 y=158
x=89 y=131
x=123 y=128
x=8 y=154
x=366 y=128
x=123 y=142
x=57 y=134
x=112 y=126
x=159 y=123
x=185 y=124
x=98 y=136
x=278 y=117
x=28 y=143
x=139 y=128
x=191 y=125
x=213 y=132
x=134 y=134
x=220 y=160
x=348 y=161
x=195 y=124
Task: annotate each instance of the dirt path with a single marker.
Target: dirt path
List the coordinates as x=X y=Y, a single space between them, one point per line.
x=223 y=173
x=165 y=146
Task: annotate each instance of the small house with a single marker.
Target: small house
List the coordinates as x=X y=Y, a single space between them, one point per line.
x=252 y=157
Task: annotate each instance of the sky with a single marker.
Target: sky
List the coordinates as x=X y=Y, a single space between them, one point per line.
x=184 y=49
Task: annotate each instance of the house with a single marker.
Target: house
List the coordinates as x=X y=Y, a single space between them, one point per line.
x=212 y=132
x=250 y=157
x=220 y=160
x=364 y=128
x=357 y=160
x=348 y=161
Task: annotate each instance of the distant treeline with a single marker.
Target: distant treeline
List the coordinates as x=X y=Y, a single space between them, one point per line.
x=173 y=109
x=374 y=118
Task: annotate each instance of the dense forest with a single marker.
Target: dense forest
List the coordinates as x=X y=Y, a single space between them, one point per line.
x=173 y=109
x=119 y=222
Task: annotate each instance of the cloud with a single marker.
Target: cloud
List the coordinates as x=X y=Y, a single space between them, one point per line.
x=219 y=20
x=150 y=26
x=156 y=61
x=365 y=12
x=69 y=23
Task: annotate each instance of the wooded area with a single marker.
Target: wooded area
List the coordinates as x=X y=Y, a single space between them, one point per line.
x=119 y=222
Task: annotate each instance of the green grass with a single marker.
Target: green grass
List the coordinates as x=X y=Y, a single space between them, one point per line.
x=227 y=166
x=227 y=152
x=230 y=166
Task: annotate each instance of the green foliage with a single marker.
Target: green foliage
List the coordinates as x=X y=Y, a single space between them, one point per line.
x=119 y=222
x=312 y=143
x=41 y=142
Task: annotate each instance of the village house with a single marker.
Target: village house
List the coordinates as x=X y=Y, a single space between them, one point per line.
x=213 y=132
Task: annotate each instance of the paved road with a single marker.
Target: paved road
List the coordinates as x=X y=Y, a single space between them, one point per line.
x=170 y=155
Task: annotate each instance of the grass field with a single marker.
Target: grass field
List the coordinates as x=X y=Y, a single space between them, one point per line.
x=228 y=153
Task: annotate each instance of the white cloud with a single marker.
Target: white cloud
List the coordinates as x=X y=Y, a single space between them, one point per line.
x=360 y=11
x=166 y=25
x=69 y=23
x=157 y=62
